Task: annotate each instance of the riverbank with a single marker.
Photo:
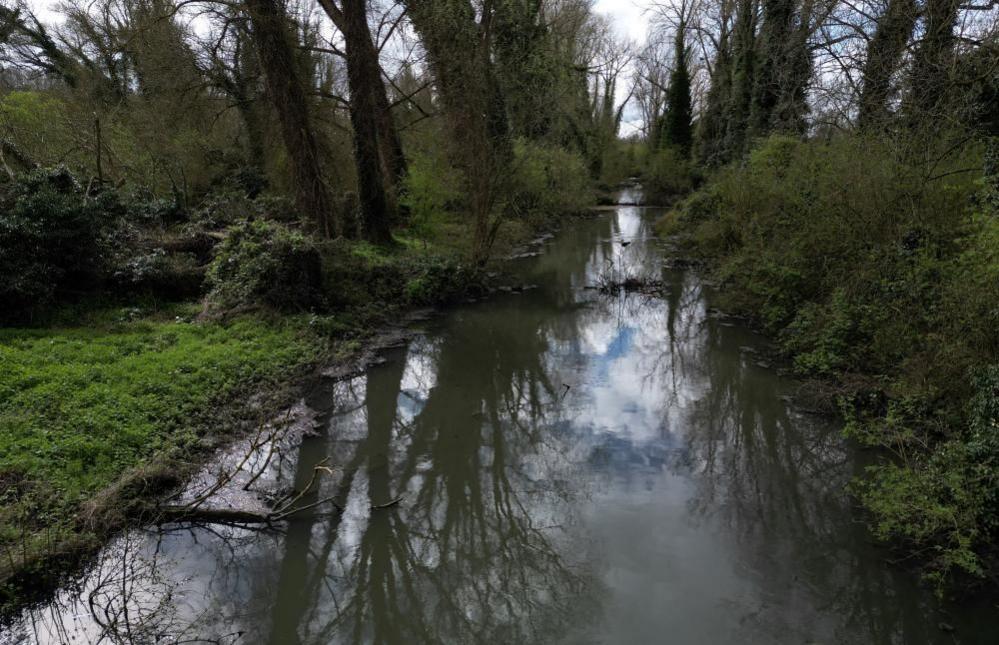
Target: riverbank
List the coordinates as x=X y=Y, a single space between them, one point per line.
x=891 y=309
x=102 y=417
x=574 y=452
x=107 y=409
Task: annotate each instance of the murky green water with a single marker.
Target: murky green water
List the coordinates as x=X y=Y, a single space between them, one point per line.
x=572 y=467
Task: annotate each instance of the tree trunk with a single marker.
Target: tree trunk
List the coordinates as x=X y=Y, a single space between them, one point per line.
x=277 y=59
x=363 y=62
x=245 y=73
x=784 y=71
x=459 y=51
x=394 y=166
x=883 y=56
x=743 y=74
x=711 y=129
x=933 y=59
x=775 y=33
x=364 y=77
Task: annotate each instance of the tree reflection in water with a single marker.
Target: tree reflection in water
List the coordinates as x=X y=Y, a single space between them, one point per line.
x=567 y=465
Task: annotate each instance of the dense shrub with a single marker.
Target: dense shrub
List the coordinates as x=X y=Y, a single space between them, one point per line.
x=435 y=282
x=165 y=275
x=548 y=180
x=624 y=160
x=668 y=177
x=54 y=239
x=265 y=263
x=222 y=209
x=359 y=276
x=431 y=189
x=863 y=261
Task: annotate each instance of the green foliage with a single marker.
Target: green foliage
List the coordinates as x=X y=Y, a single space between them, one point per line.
x=945 y=501
x=54 y=238
x=36 y=121
x=548 y=180
x=359 y=277
x=766 y=223
x=822 y=338
x=161 y=274
x=438 y=281
x=623 y=161
x=860 y=262
x=668 y=176
x=265 y=263
x=936 y=503
x=432 y=188
x=222 y=209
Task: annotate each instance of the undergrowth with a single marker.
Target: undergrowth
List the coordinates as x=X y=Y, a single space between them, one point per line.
x=862 y=260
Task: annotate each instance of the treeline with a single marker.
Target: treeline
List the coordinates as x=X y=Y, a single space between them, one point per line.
x=384 y=122
x=815 y=68
x=846 y=157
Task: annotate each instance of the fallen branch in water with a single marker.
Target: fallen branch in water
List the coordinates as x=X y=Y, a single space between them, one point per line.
x=631 y=284
x=171 y=514
x=285 y=509
x=378 y=507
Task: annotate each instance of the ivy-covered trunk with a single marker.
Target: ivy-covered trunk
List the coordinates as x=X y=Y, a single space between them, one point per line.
x=275 y=47
x=459 y=49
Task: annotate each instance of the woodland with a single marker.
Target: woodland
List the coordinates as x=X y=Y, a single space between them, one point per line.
x=200 y=199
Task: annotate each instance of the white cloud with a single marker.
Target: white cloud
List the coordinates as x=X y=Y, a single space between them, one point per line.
x=628 y=15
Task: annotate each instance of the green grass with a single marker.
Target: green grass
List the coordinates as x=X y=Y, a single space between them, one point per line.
x=81 y=406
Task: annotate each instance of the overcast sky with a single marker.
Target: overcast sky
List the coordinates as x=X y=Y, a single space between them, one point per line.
x=627 y=15
x=630 y=19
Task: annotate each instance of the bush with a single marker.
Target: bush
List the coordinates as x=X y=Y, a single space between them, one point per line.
x=54 y=239
x=624 y=160
x=265 y=263
x=438 y=282
x=431 y=189
x=169 y=275
x=359 y=276
x=222 y=209
x=864 y=261
x=948 y=498
x=667 y=177
x=548 y=181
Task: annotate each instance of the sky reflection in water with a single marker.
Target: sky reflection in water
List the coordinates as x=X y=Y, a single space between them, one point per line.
x=573 y=467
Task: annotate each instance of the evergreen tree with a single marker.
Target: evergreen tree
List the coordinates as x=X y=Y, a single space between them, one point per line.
x=678 y=128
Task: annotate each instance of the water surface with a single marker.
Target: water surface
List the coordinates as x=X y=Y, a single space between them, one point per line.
x=569 y=467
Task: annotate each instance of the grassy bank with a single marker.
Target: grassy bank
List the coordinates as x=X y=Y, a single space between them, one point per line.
x=105 y=411
x=108 y=401
x=116 y=399
x=140 y=334
x=878 y=272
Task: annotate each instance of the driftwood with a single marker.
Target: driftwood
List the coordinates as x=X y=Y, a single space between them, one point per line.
x=170 y=514
x=288 y=506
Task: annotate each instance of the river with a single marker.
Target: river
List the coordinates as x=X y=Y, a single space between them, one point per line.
x=566 y=466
